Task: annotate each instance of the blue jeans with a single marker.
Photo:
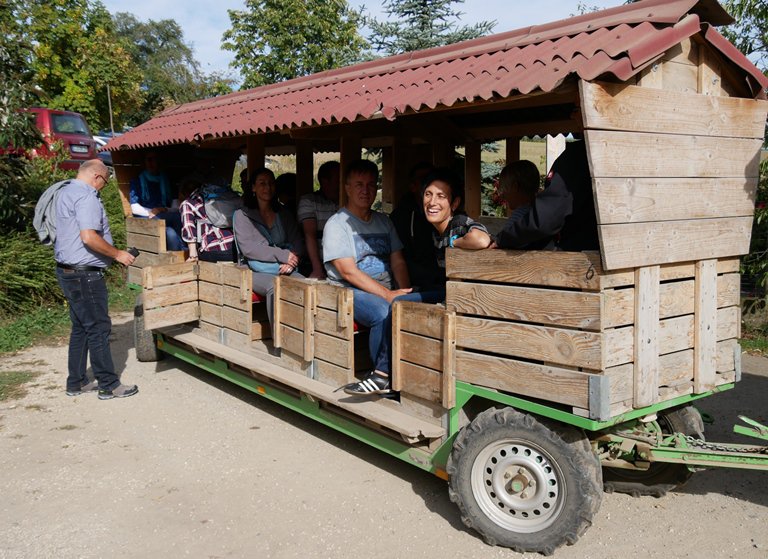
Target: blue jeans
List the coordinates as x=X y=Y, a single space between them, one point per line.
x=375 y=313
x=86 y=293
x=172 y=229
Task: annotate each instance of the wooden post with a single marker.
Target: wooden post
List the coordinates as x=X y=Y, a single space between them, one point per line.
x=309 y=322
x=472 y=178
x=705 y=326
x=401 y=147
x=277 y=334
x=442 y=153
x=304 y=168
x=397 y=383
x=512 y=150
x=351 y=148
x=255 y=152
x=646 y=353
x=387 y=173
x=555 y=146
x=448 y=388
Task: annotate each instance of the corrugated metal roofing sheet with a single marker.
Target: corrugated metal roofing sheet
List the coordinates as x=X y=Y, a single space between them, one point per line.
x=619 y=41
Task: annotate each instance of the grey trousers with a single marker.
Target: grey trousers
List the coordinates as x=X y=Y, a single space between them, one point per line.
x=264 y=284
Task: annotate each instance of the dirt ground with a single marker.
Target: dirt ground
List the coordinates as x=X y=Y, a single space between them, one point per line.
x=195 y=467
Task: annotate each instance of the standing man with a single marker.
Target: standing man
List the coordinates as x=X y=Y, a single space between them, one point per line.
x=315 y=210
x=362 y=251
x=83 y=249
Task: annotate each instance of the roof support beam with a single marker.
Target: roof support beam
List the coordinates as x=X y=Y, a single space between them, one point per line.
x=472 y=178
x=255 y=153
x=304 y=168
x=351 y=148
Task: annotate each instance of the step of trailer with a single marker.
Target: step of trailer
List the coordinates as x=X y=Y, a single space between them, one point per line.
x=372 y=410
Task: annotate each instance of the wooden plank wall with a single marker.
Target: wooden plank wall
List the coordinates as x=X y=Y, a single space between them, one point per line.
x=674 y=163
x=170 y=294
x=334 y=335
x=148 y=235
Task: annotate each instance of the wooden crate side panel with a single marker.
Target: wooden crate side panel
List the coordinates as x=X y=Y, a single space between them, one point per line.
x=292 y=340
x=292 y=315
x=646 y=244
x=210 y=272
x=632 y=154
x=150 y=227
x=147 y=243
x=334 y=350
x=235 y=297
x=636 y=200
x=675 y=299
x=530 y=379
x=422 y=319
x=556 y=345
x=526 y=304
x=331 y=374
x=668 y=272
x=421 y=381
x=146 y=259
x=211 y=313
x=610 y=106
x=578 y=270
x=171 y=274
x=261 y=330
x=170 y=316
x=210 y=293
x=236 y=319
x=420 y=350
x=168 y=295
x=327 y=322
x=675 y=334
x=292 y=290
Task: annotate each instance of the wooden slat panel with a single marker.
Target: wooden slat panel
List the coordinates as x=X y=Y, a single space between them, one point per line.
x=237 y=320
x=210 y=272
x=331 y=374
x=292 y=315
x=426 y=352
x=170 y=295
x=327 y=295
x=334 y=350
x=675 y=334
x=293 y=292
x=646 y=342
x=235 y=276
x=449 y=361
x=235 y=298
x=146 y=259
x=422 y=319
x=675 y=299
x=157 y=276
x=633 y=200
x=151 y=227
x=579 y=270
x=326 y=321
x=309 y=323
x=668 y=272
x=147 y=243
x=539 y=381
x=645 y=244
x=210 y=313
x=640 y=109
x=565 y=347
x=134 y=275
x=631 y=154
x=210 y=293
x=170 y=316
x=705 y=327
x=526 y=304
x=261 y=330
x=679 y=77
x=420 y=381
x=292 y=340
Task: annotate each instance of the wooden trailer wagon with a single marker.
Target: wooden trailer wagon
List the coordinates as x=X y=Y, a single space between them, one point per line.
x=545 y=375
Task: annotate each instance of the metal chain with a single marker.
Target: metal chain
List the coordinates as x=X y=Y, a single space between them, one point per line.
x=693 y=441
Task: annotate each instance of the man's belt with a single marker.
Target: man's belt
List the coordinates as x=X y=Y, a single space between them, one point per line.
x=71 y=268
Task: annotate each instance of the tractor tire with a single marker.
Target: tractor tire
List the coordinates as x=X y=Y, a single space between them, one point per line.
x=524 y=482
x=144 y=340
x=660 y=477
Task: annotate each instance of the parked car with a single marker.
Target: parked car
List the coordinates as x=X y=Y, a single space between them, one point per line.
x=105 y=156
x=69 y=128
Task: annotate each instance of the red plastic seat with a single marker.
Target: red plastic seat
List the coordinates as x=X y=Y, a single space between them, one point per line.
x=256 y=298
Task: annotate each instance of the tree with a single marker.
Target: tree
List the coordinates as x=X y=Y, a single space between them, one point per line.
x=276 y=40
x=420 y=24
x=171 y=74
x=76 y=55
x=750 y=32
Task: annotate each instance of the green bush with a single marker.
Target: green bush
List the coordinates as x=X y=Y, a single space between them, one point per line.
x=27 y=274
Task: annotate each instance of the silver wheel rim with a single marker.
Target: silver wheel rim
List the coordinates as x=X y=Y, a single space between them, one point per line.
x=518 y=486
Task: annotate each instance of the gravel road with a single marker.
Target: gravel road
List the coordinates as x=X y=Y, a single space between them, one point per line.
x=195 y=467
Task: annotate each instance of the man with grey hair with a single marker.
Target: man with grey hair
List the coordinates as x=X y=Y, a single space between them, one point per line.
x=83 y=250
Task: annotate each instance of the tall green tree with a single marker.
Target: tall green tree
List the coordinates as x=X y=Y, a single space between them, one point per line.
x=171 y=74
x=420 y=24
x=276 y=40
x=750 y=32
x=76 y=54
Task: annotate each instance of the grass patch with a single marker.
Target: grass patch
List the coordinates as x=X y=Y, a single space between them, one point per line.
x=12 y=384
x=48 y=325
x=755 y=342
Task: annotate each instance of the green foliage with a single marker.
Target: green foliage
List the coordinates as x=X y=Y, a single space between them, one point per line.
x=75 y=55
x=420 y=24
x=171 y=75
x=755 y=264
x=27 y=275
x=750 y=32
x=12 y=384
x=276 y=40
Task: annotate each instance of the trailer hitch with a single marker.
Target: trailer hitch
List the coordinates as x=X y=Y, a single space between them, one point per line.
x=756 y=430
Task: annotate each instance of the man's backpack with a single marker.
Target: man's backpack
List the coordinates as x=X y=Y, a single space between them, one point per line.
x=220 y=203
x=44 y=220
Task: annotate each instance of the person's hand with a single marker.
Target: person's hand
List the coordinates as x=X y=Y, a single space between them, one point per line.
x=285 y=269
x=125 y=258
x=493 y=245
x=392 y=294
x=317 y=274
x=293 y=259
x=154 y=211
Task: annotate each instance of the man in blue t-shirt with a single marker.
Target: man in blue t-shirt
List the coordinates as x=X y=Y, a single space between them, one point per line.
x=361 y=250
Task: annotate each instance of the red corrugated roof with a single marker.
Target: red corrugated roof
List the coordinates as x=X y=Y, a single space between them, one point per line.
x=619 y=41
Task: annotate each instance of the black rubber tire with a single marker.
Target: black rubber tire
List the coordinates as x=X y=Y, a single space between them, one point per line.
x=660 y=477
x=144 y=340
x=554 y=461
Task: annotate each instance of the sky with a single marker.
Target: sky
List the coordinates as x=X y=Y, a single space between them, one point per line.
x=204 y=21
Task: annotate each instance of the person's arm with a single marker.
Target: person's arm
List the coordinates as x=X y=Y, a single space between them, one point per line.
x=400 y=270
x=96 y=243
x=313 y=249
x=252 y=243
x=349 y=271
x=475 y=239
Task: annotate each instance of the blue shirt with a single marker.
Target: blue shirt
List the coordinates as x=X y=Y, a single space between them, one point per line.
x=78 y=207
x=368 y=243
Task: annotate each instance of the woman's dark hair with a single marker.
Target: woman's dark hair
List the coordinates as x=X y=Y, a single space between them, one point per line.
x=520 y=175
x=446 y=175
x=249 y=197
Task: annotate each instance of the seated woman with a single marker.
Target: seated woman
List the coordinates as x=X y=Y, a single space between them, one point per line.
x=267 y=236
x=441 y=198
